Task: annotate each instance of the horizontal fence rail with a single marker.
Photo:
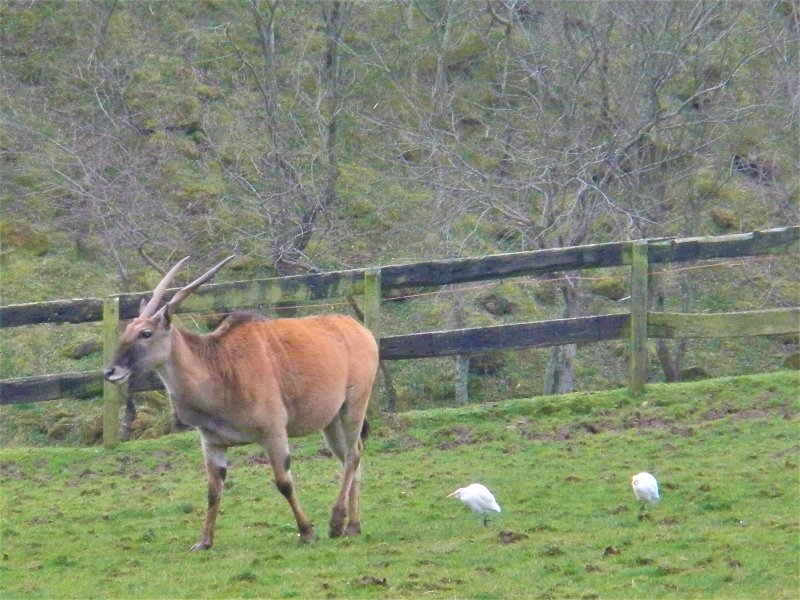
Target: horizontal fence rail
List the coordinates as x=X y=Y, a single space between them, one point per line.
x=372 y=284
x=82 y=385
x=262 y=293
x=504 y=337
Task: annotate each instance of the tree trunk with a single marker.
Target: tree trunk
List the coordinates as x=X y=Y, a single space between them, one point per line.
x=462 y=360
x=462 y=379
x=560 y=374
x=128 y=417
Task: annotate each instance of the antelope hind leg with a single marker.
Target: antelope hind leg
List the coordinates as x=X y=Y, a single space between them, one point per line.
x=344 y=439
x=278 y=451
x=337 y=443
x=353 y=523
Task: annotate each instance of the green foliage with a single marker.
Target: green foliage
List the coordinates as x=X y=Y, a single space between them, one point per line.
x=723 y=452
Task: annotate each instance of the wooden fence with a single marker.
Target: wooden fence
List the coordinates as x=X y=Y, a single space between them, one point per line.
x=372 y=284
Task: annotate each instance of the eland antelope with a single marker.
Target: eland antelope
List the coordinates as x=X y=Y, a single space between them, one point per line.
x=259 y=380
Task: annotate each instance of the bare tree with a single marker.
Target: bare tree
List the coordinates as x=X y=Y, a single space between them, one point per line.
x=599 y=119
x=291 y=189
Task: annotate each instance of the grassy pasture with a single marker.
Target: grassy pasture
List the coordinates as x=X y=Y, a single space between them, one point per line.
x=89 y=523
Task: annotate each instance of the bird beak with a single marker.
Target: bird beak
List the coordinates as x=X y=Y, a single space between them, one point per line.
x=451 y=495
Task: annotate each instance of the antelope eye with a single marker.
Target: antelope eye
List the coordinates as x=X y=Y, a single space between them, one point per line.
x=146 y=334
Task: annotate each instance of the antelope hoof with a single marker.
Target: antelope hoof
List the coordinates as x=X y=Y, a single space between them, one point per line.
x=353 y=528
x=200 y=546
x=307 y=536
x=337 y=522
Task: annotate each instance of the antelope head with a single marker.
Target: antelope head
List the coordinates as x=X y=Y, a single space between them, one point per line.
x=146 y=343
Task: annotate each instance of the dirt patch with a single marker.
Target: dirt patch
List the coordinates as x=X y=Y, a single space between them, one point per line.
x=536 y=436
x=734 y=564
x=40 y=520
x=593 y=427
x=561 y=434
x=393 y=422
x=408 y=442
x=640 y=421
x=717 y=413
x=132 y=467
x=553 y=550
x=644 y=421
x=258 y=459
x=461 y=436
x=511 y=537
x=752 y=413
x=681 y=431
x=10 y=470
x=371 y=580
x=400 y=443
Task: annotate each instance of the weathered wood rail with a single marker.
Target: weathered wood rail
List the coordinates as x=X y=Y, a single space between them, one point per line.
x=374 y=283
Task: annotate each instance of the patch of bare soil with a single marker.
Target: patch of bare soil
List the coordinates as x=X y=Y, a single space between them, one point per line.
x=408 y=442
x=371 y=580
x=511 y=537
x=644 y=421
x=460 y=436
x=10 y=470
x=257 y=459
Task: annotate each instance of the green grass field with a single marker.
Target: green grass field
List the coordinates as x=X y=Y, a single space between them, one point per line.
x=91 y=523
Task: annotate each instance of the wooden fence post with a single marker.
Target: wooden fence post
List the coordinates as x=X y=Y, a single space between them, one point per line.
x=112 y=394
x=638 y=362
x=372 y=321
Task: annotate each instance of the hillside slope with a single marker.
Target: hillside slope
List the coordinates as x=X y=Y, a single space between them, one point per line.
x=330 y=135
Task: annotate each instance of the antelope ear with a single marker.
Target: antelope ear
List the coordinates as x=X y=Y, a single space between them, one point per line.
x=167 y=314
x=142 y=304
x=164 y=316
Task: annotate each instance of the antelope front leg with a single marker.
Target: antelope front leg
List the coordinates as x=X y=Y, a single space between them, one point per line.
x=217 y=469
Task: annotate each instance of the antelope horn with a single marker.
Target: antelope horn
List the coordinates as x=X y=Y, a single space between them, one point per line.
x=149 y=309
x=184 y=292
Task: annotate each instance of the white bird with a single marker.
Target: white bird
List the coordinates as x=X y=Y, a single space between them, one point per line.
x=645 y=487
x=478 y=498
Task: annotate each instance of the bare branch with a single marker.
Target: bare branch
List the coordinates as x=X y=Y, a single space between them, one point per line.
x=149 y=260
